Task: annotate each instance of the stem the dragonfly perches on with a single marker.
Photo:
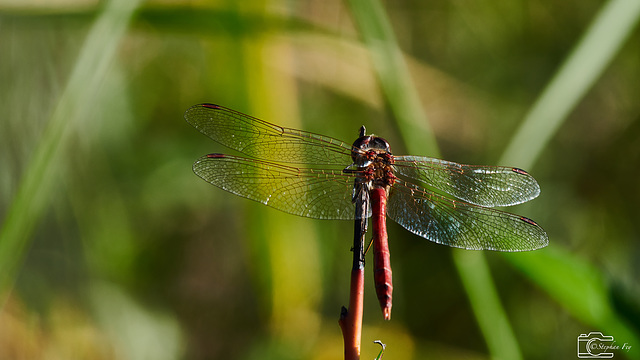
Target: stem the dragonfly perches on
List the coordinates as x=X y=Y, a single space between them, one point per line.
x=351 y=318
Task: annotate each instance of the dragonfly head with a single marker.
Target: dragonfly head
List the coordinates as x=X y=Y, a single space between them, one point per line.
x=364 y=145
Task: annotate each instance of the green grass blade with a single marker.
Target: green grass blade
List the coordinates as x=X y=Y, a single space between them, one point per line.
x=579 y=287
x=401 y=94
x=42 y=175
x=574 y=283
x=492 y=319
x=583 y=67
x=394 y=77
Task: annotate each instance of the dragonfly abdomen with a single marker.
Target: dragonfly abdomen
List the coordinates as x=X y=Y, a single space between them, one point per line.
x=381 y=255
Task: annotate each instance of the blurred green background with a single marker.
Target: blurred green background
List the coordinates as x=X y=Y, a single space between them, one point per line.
x=111 y=248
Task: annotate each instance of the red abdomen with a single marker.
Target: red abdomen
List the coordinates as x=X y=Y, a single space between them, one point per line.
x=381 y=259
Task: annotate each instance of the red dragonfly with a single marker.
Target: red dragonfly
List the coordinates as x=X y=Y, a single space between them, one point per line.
x=320 y=177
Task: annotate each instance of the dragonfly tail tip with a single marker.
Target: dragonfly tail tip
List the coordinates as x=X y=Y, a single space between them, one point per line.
x=386 y=312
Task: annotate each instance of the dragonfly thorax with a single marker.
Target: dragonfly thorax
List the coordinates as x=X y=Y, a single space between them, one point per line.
x=372 y=155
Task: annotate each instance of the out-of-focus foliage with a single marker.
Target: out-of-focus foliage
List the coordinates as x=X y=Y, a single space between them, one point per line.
x=112 y=248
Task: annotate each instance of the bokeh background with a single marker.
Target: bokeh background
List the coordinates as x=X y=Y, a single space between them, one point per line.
x=111 y=248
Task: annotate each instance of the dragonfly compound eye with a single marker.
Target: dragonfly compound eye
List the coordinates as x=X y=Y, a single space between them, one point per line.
x=378 y=143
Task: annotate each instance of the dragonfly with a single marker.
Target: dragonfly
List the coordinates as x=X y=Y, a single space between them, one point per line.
x=317 y=176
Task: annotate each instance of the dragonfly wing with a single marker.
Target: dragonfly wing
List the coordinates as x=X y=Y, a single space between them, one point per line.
x=260 y=139
x=480 y=185
x=320 y=194
x=459 y=224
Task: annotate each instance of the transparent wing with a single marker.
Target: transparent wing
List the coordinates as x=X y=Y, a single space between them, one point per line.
x=259 y=139
x=459 y=224
x=320 y=194
x=480 y=185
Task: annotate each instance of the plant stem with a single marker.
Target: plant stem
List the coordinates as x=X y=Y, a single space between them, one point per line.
x=351 y=319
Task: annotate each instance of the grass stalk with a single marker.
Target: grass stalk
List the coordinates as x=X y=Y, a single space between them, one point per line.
x=586 y=63
x=47 y=165
x=574 y=283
